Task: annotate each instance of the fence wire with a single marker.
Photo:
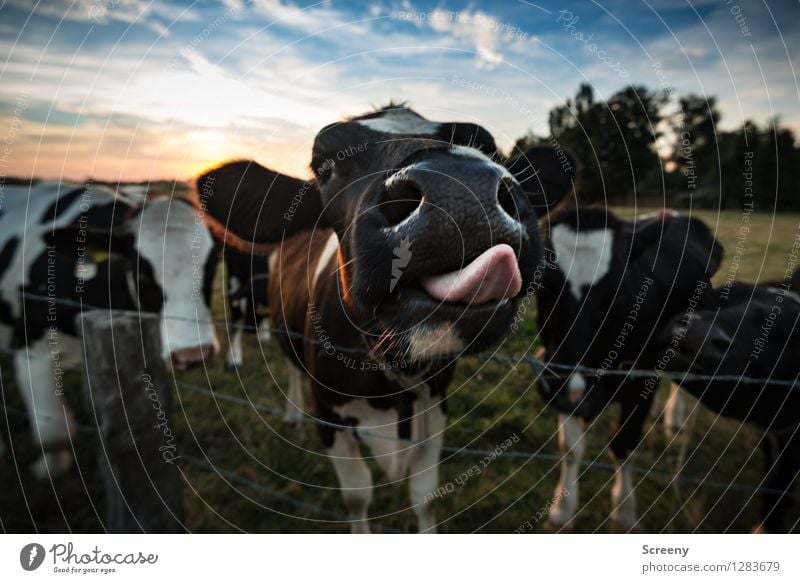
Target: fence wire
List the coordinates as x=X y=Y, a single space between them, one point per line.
x=527 y=360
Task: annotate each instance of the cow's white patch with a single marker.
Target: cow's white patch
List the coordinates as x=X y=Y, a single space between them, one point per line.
x=427 y=428
x=623 y=499
x=400 y=121
x=571 y=443
x=235 y=354
x=86 y=271
x=584 y=257
x=674 y=412
x=40 y=379
x=294 y=396
x=426 y=341
x=175 y=242
x=355 y=479
x=576 y=386
x=378 y=429
x=330 y=249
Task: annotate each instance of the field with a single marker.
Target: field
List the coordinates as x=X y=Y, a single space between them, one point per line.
x=489 y=403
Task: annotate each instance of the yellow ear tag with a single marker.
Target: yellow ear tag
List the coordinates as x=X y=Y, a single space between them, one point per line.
x=99 y=256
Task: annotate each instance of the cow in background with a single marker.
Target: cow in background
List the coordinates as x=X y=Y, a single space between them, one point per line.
x=755 y=334
x=608 y=289
x=65 y=248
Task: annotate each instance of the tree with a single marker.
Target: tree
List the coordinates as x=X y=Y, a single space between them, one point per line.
x=614 y=140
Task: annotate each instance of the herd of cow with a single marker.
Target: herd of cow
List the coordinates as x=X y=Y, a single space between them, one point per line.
x=412 y=246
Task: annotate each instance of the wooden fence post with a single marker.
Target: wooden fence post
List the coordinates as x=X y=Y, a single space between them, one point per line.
x=129 y=397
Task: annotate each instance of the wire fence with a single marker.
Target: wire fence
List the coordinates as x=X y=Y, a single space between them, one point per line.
x=526 y=360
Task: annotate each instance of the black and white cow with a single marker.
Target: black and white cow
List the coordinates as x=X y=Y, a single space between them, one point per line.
x=609 y=286
x=410 y=248
x=756 y=333
x=66 y=244
x=247 y=278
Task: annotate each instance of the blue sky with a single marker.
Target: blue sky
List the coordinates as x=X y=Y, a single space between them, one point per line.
x=132 y=89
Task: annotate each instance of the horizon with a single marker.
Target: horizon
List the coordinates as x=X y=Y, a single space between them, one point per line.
x=131 y=90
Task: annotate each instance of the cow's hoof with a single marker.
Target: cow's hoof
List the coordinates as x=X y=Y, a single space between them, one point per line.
x=672 y=432
x=619 y=525
x=231 y=366
x=561 y=519
x=52 y=464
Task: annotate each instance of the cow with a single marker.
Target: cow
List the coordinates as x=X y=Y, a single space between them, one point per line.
x=731 y=292
x=608 y=286
x=410 y=247
x=755 y=333
x=66 y=248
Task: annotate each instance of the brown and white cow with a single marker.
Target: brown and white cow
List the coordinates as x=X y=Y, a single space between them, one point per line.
x=410 y=247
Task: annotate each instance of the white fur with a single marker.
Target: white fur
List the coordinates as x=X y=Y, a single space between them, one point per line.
x=294 y=396
x=623 y=498
x=176 y=243
x=576 y=387
x=264 y=332
x=355 y=479
x=235 y=354
x=584 y=257
x=50 y=417
x=425 y=341
x=427 y=427
x=571 y=443
x=674 y=411
x=400 y=121
x=379 y=430
x=330 y=249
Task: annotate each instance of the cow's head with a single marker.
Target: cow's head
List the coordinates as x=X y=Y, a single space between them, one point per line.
x=437 y=239
x=156 y=259
x=609 y=286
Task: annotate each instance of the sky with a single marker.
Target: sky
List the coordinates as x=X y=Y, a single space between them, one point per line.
x=133 y=90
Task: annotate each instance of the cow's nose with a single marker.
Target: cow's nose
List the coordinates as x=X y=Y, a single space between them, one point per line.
x=187 y=357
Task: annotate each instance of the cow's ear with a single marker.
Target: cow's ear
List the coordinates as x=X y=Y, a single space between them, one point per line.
x=258 y=204
x=546 y=173
x=96 y=245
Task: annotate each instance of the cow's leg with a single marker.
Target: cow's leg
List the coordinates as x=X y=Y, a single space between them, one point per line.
x=294 y=396
x=571 y=443
x=674 y=412
x=355 y=479
x=623 y=443
x=51 y=419
x=235 y=355
x=423 y=480
x=782 y=459
x=264 y=332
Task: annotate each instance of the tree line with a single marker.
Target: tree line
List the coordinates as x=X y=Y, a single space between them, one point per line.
x=640 y=146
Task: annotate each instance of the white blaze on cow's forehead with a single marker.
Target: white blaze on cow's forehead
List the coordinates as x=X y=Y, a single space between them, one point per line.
x=176 y=243
x=468 y=152
x=584 y=257
x=330 y=249
x=400 y=121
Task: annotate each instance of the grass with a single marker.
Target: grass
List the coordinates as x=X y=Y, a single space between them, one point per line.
x=489 y=403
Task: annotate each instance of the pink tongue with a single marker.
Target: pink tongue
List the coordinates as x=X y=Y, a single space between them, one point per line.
x=494 y=275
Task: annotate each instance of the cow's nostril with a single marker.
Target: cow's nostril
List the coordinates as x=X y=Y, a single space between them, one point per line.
x=511 y=204
x=402 y=197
